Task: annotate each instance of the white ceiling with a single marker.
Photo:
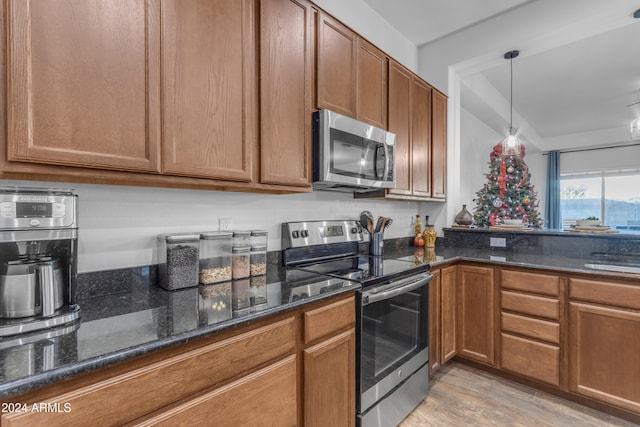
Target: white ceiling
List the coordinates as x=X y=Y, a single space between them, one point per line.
x=563 y=89
x=423 y=21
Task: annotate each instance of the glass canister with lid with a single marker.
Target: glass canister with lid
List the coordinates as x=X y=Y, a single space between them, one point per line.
x=241 y=238
x=178 y=260
x=215 y=257
x=258 y=260
x=259 y=238
x=240 y=261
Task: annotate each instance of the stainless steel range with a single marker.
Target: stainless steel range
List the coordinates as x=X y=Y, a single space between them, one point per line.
x=392 y=315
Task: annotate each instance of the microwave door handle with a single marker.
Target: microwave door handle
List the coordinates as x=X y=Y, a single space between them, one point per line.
x=385 y=173
x=371 y=297
x=386 y=163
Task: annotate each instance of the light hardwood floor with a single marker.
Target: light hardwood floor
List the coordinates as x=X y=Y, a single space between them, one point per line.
x=465 y=396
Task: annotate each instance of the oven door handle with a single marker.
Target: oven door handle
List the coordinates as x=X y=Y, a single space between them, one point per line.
x=402 y=287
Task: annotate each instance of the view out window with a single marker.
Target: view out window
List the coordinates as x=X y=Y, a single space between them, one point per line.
x=613 y=197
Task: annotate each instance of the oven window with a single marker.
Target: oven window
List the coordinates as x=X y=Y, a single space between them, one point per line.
x=357 y=157
x=393 y=331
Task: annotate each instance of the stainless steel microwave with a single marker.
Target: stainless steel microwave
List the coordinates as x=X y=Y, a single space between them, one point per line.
x=351 y=156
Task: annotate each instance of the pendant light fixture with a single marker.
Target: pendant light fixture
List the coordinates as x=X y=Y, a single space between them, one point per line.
x=511 y=144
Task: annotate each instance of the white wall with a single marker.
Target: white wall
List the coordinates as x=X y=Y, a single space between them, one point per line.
x=119 y=225
x=476 y=143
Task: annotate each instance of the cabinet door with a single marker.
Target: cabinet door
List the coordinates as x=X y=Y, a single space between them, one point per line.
x=83 y=83
x=435 y=287
x=448 y=314
x=286 y=60
x=476 y=313
x=264 y=398
x=400 y=124
x=604 y=349
x=421 y=138
x=209 y=88
x=373 y=66
x=329 y=382
x=337 y=65
x=439 y=145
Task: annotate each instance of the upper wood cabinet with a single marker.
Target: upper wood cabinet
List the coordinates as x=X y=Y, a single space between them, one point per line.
x=208 y=58
x=421 y=138
x=438 y=145
x=83 y=86
x=351 y=74
x=286 y=70
x=372 y=73
x=337 y=49
x=410 y=120
x=400 y=124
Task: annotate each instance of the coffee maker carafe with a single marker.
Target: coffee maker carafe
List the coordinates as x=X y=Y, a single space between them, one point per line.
x=38 y=245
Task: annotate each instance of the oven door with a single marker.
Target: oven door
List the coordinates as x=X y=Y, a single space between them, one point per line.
x=393 y=336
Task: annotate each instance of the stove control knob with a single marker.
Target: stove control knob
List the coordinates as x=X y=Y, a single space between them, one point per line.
x=354 y=230
x=295 y=234
x=304 y=233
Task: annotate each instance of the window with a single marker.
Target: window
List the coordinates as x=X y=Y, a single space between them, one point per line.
x=612 y=196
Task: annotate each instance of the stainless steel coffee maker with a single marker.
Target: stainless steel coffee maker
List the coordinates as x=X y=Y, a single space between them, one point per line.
x=38 y=259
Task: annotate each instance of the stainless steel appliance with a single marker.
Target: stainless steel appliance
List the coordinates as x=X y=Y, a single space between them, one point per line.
x=392 y=315
x=38 y=245
x=351 y=156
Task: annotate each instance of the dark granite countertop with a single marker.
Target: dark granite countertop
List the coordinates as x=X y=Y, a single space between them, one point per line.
x=124 y=314
x=515 y=257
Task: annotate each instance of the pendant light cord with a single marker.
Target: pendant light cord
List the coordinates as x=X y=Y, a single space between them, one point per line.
x=510 y=55
x=511 y=98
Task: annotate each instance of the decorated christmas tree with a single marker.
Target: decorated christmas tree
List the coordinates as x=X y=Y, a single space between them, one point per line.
x=508 y=193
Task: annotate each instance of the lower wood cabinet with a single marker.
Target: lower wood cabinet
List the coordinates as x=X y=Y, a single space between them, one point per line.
x=530 y=305
x=448 y=317
x=531 y=358
x=475 y=309
x=575 y=334
x=329 y=386
x=248 y=401
x=259 y=374
x=435 y=343
x=604 y=342
x=329 y=365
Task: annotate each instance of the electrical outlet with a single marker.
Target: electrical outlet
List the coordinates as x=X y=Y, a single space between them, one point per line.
x=224 y=224
x=498 y=242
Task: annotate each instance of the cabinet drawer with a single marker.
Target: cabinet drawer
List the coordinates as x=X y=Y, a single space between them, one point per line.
x=119 y=399
x=605 y=292
x=534 y=328
x=531 y=282
x=531 y=304
x=329 y=319
x=231 y=405
x=533 y=359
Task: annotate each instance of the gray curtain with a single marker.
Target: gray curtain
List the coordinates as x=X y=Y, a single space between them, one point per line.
x=552 y=200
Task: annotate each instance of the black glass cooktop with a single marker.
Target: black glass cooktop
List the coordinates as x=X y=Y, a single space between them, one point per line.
x=367 y=270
